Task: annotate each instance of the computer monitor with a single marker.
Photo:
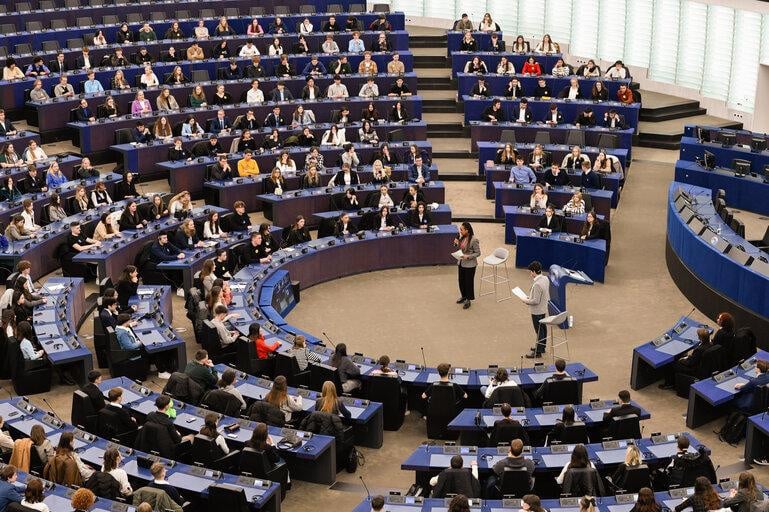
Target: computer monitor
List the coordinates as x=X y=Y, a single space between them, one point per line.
x=703 y=134
x=758 y=144
x=681 y=203
x=687 y=214
x=680 y=192
x=741 y=166
x=727 y=138
x=709 y=160
x=760 y=265
x=739 y=255
x=696 y=225
x=716 y=241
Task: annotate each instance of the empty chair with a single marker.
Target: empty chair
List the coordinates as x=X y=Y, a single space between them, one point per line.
x=157 y=16
x=257 y=464
x=334 y=8
x=110 y=19
x=496 y=262
x=74 y=43
x=575 y=138
x=3 y=51
x=134 y=17
x=23 y=48
x=123 y=136
x=574 y=433
x=232 y=12
x=84 y=21
x=507 y=137
x=207 y=13
x=227 y=497
x=47 y=5
x=96 y=3
x=397 y=136
x=514 y=482
x=282 y=10
x=58 y=24
x=34 y=26
x=387 y=390
x=200 y=75
x=381 y=8
x=8 y=28
x=183 y=14
x=50 y=46
x=23 y=6
x=741 y=165
x=560 y=392
x=257 y=11
x=542 y=137
x=83 y=413
x=743 y=346
x=357 y=7
x=72 y=3
x=307 y=9
x=608 y=140
x=627 y=426
x=287 y=366
x=320 y=373
x=206 y=453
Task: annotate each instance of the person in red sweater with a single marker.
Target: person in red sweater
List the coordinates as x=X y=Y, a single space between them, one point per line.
x=263 y=350
x=531 y=67
x=624 y=94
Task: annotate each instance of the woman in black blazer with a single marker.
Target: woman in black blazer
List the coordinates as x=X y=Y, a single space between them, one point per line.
x=398 y=113
x=412 y=197
x=350 y=200
x=268 y=242
x=187 y=236
x=298 y=233
x=419 y=217
x=131 y=219
x=126 y=188
x=592 y=228
x=384 y=221
x=342 y=226
x=127 y=286
x=386 y=155
x=80 y=202
x=550 y=220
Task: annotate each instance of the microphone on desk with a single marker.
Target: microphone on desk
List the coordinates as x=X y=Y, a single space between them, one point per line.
x=365 y=487
x=51 y=409
x=424 y=361
x=329 y=339
x=690 y=312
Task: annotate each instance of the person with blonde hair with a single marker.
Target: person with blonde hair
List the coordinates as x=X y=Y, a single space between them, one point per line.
x=330 y=402
x=278 y=395
x=587 y=504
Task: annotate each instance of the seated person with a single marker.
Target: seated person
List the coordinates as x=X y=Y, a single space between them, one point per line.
x=202 y=370
x=221 y=171
x=187 y=236
x=126 y=337
x=521 y=173
x=613 y=119
x=443 y=380
x=419 y=217
x=125 y=422
x=555 y=177
x=163 y=250
x=579 y=459
x=624 y=408
x=746 y=398
x=593 y=228
x=550 y=220
x=589 y=179
x=494 y=113
x=226 y=336
x=514 y=460
x=558 y=374
x=507 y=429
x=263 y=350
x=256 y=251
x=688 y=365
x=457 y=480
x=419 y=173
x=158 y=470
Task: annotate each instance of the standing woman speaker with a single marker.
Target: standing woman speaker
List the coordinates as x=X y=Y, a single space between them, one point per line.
x=468 y=262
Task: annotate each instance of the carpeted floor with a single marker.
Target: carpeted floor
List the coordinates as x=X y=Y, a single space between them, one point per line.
x=396 y=312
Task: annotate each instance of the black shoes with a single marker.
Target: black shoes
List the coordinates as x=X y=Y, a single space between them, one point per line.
x=467 y=304
x=533 y=355
x=461 y=300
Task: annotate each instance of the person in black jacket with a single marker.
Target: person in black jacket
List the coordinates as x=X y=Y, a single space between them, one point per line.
x=92 y=390
x=108 y=314
x=238 y=221
x=163 y=250
x=159 y=417
x=419 y=217
x=131 y=218
x=158 y=470
x=550 y=220
x=187 y=236
x=507 y=429
x=625 y=407
x=126 y=189
x=298 y=233
x=593 y=228
x=255 y=251
x=585 y=118
x=127 y=287
x=178 y=152
x=688 y=365
x=125 y=422
x=457 y=480
x=35 y=183
x=261 y=441
x=725 y=335
x=494 y=112
x=567 y=419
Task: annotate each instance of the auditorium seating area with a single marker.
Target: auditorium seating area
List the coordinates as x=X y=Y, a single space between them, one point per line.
x=229 y=234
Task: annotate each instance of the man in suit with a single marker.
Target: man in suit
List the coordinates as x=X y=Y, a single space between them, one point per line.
x=274 y=119
x=58 y=65
x=612 y=119
x=554 y=115
x=6 y=127
x=125 y=422
x=419 y=173
x=507 y=427
x=480 y=89
x=84 y=59
x=158 y=470
x=537 y=300
x=514 y=460
x=494 y=112
x=550 y=220
x=83 y=112
x=140 y=133
x=92 y=389
x=457 y=480
x=35 y=183
x=281 y=93
x=159 y=417
x=255 y=69
x=202 y=371
x=589 y=178
x=220 y=124
x=108 y=314
x=9 y=493
x=522 y=114
x=311 y=91
x=624 y=408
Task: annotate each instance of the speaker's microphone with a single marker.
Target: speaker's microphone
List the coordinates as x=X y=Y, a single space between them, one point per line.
x=424 y=361
x=329 y=340
x=365 y=487
x=51 y=409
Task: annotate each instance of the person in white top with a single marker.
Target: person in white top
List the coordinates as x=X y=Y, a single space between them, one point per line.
x=500 y=380
x=573 y=92
x=333 y=137
x=210 y=429
x=538 y=197
x=149 y=78
x=305 y=27
x=33 y=496
x=249 y=49
x=370 y=89
x=211 y=228
x=385 y=199
x=33 y=153
x=255 y=94
x=285 y=163
x=279 y=396
x=617 y=70
x=201 y=31
x=112 y=459
x=28 y=214
x=547 y=45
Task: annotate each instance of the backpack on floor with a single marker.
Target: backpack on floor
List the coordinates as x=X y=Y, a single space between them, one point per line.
x=355 y=459
x=734 y=429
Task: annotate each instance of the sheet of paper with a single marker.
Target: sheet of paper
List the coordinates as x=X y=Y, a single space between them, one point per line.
x=520 y=293
x=457 y=254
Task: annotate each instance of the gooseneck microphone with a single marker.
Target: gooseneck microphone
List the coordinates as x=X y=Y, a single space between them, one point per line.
x=424 y=361
x=365 y=486
x=329 y=339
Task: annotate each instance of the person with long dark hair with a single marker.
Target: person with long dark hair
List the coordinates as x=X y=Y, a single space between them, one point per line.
x=298 y=233
x=469 y=249
x=705 y=498
x=579 y=460
x=127 y=286
x=745 y=495
x=646 y=501
x=210 y=429
x=349 y=373
x=260 y=440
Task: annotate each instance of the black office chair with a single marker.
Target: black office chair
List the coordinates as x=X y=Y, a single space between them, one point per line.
x=287 y=366
x=514 y=482
x=282 y=10
x=320 y=373
x=125 y=363
x=582 y=482
x=743 y=346
x=561 y=392
x=29 y=377
x=219 y=400
x=212 y=344
x=441 y=409
x=204 y=452
x=712 y=361
x=505 y=431
x=625 y=427
x=512 y=395
x=256 y=464
x=635 y=479
x=155 y=439
x=265 y=412
x=227 y=497
x=575 y=433
x=247 y=360
x=387 y=390
x=35 y=463
x=107 y=427
x=100 y=343
x=83 y=414
x=123 y=136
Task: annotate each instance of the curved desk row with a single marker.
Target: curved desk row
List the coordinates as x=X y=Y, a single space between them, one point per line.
x=67 y=164
x=711 y=398
x=98 y=136
x=395 y=502
x=12 y=93
x=487 y=152
x=52 y=115
x=540 y=108
x=650 y=358
x=115 y=254
x=610 y=181
x=319 y=261
x=518 y=194
x=283 y=210
x=742 y=136
x=247 y=189
x=692 y=148
x=597 y=136
x=20 y=140
x=314 y=460
x=459 y=60
x=497 y=83
x=20 y=416
x=744 y=192
x=525 y=217
x=153 y=161
x=440 y=215
x=716 y=269
x=56 y=322
x=562 y=249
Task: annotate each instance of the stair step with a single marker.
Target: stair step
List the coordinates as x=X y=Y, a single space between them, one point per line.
x=442 y=134
x=667 y=114
x=474 y=217
x=438 y=109
x=444 y=81
x=434 y=40
x=429 y=61
x=455 y=154
x=435 y=87
x=460 y=176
